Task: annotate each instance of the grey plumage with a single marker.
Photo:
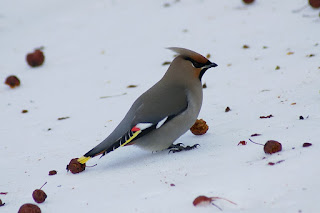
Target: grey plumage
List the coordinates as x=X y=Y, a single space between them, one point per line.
x=169 y=108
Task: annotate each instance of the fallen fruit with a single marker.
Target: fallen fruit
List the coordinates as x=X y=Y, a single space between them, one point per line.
x=204 y=200
x=12 y=81
x=272 y=146
x=272 y=163
x=29 y=208
x=36 y=58
x=242 y=143
x=204 y=86
x=306 y=144
x=200 y=127
x=268 y=116
x=39 y=196
x=227 y=109
x=248 y=1
x=314 y=3
x=75 y=167
x=52 y=172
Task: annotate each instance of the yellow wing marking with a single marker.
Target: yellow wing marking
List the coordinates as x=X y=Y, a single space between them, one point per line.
x=83 y=159
x=131 y=138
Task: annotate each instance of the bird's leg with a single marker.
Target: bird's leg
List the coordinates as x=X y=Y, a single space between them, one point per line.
x=179 y=147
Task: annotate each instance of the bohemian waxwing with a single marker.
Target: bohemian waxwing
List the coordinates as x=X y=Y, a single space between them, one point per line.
x=164 y=112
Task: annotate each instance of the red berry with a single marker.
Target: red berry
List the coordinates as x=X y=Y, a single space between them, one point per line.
x=13 y=81
x=272 y=147
x=36 y=58
x=39 y=196
x=248 y=1
x=75 y=167
x=314 y=3
x=29 y=208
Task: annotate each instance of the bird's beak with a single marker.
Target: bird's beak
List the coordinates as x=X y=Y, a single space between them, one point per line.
x=209 y=65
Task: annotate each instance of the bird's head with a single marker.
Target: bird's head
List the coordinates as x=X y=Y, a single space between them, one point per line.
x=192 y=61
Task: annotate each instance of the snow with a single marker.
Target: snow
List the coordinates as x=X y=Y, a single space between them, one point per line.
x=97 y=48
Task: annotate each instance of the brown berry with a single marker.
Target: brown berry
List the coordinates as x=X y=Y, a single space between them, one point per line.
x=248 y=1
x=52 y=172
x=272 y=146
x=29 y=208
x=314 y=3
x=200 y=127
x=242 y=143
x=306 y=144
x=75 y=167
x=204 y=86
x=36 y=58
x=202 y=200
x=39 y=196
x=13 y=81
x=227 y=109
x=1 y=204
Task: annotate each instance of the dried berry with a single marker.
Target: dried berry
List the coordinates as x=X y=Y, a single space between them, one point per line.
x=36 y=58
x=242 y=143
x=268 y=116
x=314 y=3
x=306 y=144
x=24 y=111
x=204 y=200
x=132 y=86
x=29 y=208
x=2 y=204
x=204 y=86
x=52 y=172
x=245 y=46
x=39 y=196
x=166 y=63
x=13 y=81
x=75 y=167
x=227 y=109
x=200 y=127
x=248 y=1
x=272 y=146
x=272 y=163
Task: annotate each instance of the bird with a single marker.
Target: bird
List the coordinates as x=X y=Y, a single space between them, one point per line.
x=164 y=112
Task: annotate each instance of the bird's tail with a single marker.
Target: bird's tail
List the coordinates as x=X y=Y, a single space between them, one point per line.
x=101 y=149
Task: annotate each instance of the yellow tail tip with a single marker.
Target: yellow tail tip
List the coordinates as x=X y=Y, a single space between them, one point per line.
x=83 y=159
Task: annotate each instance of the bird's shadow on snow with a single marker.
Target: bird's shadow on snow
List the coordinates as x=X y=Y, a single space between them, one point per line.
x=132 y=158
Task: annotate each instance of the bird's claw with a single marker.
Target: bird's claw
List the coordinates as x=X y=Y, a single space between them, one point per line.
x=179 y=147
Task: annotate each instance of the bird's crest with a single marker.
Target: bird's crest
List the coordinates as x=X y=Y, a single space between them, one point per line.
x=190 y=54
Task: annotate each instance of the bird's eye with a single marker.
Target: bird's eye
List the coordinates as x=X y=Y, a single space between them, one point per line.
x=194 y=63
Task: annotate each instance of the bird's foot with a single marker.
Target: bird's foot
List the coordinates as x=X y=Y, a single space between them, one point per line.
x=179 y=147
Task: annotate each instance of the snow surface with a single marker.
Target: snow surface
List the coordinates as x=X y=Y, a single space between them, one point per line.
x=97 y=48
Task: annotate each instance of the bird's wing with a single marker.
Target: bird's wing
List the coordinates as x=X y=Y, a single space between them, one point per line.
x=149 y=112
